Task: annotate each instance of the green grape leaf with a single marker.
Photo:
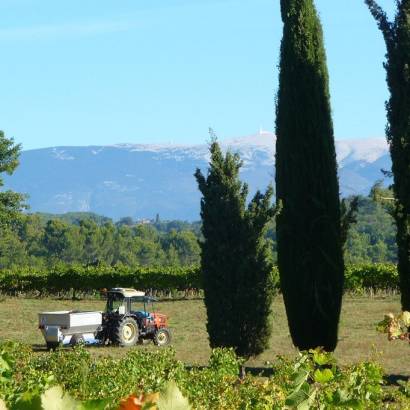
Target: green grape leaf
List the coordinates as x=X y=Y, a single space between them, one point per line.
x=352 y=404
x=4 y=365
x=307 y=404
x=295 y=398
x=28 y=401
x=5 y=369
x=298 y=396
x=172 y=399
x=339 y=396
x=323 y=376
x=321 y=358
x=299 y=377
x=93 y=405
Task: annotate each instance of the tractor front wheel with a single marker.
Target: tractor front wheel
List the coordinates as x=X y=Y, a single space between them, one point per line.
x=162 y=337
x=127 y=332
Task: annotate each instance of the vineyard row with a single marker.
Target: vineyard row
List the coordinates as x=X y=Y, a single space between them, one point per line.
x=90 y=279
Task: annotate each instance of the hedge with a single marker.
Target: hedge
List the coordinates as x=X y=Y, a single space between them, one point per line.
x=81 y=279
x=89 y=279
x=371 y=277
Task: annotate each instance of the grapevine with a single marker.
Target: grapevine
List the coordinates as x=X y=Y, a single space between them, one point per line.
x=396 y=326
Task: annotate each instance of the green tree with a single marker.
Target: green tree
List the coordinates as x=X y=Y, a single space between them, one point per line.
x=310 y=257
x=92 y=238
x=397 y=38
x=235 y=265
x=186 y=246
x=149 y=253
x=31 y=231
x=124 y=247
x=383 y=196
x=11 y=203
x=12 y=249
x=107 y=243
x=358 y=244
x=349 y=208
x=172 y=256
x=146 y=232
x=62 y=242
x=372 y=239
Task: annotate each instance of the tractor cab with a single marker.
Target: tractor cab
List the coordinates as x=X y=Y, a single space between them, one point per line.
x=142 y=306
x=130 y=313
x=119 y=300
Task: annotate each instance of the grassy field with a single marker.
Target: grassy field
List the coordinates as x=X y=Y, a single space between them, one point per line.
x=358 y=337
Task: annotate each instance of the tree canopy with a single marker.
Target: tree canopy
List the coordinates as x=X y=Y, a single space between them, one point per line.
x=11 y=203
x=235 y=262
x=309 y=242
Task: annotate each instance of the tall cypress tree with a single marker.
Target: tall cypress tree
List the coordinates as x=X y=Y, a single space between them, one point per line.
x=397 y=37
x=235 y=265
x=310 y=255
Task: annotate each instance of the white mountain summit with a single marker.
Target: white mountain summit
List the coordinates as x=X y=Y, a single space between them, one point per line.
x=348 y=150
x=141 y=180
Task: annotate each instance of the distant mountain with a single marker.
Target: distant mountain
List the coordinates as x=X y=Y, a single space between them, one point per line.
x=141 y=180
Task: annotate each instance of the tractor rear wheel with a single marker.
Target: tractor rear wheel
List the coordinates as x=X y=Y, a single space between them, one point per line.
x=162 y=337
x=127 y=332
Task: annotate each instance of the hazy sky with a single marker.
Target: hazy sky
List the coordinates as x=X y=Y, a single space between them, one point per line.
x=94 y=72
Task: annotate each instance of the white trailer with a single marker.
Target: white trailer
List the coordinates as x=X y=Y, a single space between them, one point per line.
x=69 y=327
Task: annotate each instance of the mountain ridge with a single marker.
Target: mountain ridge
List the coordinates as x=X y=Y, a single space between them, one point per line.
x=141 y=180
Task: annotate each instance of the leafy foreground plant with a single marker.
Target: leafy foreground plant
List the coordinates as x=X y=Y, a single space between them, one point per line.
x=396 y=327
x=314 y=381
x=72 y=379
x=55 y=399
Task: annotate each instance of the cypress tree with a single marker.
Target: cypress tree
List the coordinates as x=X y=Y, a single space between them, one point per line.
x=397 y=38
x=310 y=257
x=235 y=263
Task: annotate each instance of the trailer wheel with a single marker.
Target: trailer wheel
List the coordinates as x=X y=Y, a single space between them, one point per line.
x=162 y=337
x=127 y=333
x=77 y=340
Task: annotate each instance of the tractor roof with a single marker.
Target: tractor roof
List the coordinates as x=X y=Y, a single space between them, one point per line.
x=127 y=292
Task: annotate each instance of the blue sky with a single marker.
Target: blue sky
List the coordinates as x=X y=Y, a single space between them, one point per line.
x=96 y=72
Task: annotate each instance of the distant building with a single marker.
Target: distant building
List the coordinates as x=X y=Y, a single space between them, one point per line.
x=144 y=221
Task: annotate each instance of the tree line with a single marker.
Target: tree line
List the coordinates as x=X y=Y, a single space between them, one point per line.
x=33 y=241
x=44 y=240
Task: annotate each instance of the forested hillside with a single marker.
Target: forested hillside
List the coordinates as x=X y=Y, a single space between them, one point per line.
x=44 y=239
x=144 y=179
